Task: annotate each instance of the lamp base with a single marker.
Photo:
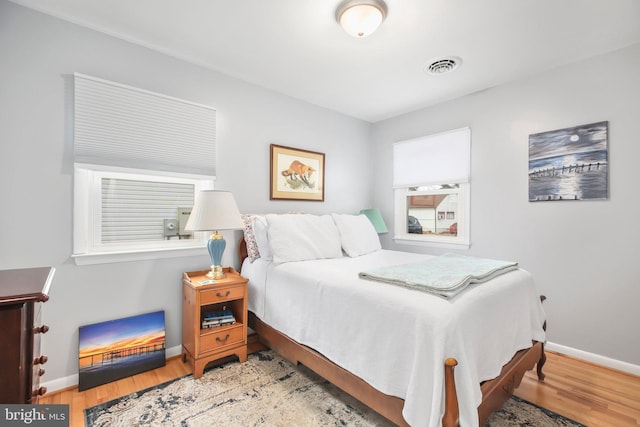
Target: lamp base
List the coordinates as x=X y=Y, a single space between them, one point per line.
x=216 y=245
x=216 y=272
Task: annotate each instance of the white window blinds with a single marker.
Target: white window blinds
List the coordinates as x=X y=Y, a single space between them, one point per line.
x=118 y=125
x=442 y=158
x=134 y=210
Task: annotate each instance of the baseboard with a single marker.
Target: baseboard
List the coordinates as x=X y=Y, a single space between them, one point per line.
x=597 y=359
x=60 y=383
x=72 y=380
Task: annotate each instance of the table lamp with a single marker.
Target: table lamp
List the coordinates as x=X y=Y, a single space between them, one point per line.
x=214 y=211
x=376 y=219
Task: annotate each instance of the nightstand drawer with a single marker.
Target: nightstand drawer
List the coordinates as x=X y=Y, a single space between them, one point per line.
x=220 y=295
x=215 y=340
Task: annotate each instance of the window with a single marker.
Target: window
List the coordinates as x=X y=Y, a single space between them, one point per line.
x=118 y=212
x=140 y=158
x=432 y=191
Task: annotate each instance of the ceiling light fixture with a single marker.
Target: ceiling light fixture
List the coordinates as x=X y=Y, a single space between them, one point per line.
x=360 y=18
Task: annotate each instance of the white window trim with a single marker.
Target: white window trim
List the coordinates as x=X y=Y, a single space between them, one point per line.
x=142 y=255
x=461 y=241
x=87 y=248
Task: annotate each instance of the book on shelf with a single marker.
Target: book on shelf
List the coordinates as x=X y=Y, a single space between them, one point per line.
x=211 y=315
x=217 y=318
x=213 y=323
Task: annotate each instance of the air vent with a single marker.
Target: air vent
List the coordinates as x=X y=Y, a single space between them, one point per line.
x=443 y=65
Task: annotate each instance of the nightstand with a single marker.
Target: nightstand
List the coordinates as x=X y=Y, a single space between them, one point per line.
x=200 y=344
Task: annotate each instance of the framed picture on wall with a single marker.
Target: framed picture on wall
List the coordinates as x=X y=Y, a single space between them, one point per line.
x=570 y=163
x=296 y=174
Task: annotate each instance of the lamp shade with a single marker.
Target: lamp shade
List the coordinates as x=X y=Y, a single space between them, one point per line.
x=214 y=210
x=376 y=219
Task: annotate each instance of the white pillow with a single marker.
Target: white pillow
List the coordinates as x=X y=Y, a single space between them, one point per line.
x=260 y=227
x=357 y=234
x=303 y=237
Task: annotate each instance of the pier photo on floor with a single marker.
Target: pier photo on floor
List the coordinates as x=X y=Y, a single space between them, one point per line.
x=569 y=164
x=119 y=348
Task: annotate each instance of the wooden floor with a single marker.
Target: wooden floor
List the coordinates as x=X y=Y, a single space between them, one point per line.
x=590 y=394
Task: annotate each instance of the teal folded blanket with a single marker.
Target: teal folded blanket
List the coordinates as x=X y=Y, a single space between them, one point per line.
x=445 y=275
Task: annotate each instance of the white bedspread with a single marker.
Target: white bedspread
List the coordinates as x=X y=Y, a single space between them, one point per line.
x=397 y=339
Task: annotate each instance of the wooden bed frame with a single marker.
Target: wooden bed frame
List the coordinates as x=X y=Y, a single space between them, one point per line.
x=495 y=392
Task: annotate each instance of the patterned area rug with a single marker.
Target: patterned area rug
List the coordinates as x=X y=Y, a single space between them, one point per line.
x=267 y=391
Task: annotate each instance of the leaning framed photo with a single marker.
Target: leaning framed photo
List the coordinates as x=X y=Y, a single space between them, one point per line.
x=296 y=174
x=119 y=348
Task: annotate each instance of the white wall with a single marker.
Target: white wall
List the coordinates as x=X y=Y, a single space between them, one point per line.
x=584 y=254
x=39 y=55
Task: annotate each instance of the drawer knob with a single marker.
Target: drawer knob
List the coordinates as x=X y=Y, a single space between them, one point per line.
x=41 y=329
x=39 y=392
x=218 y=339
x=219 y=294
x=41 y=372
x=40 y=360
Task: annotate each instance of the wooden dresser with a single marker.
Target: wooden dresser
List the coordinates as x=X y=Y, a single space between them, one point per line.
x=21 y=293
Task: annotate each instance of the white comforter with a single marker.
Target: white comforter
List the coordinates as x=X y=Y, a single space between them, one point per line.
x=397 y=339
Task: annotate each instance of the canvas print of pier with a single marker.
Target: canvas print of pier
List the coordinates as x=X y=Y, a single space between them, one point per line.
x=569 y=164
x=120 y=348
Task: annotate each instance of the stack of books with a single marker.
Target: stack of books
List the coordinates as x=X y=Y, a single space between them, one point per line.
x=217 y=318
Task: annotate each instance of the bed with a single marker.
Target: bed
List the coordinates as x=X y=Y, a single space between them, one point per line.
x=391 y=347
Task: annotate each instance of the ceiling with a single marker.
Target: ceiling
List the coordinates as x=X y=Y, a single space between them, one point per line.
x=297 y=48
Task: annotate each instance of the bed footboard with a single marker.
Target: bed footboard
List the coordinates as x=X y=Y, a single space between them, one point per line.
x=497 y=391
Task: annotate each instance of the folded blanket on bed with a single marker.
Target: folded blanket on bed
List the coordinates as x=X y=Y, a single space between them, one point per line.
x=445 y=275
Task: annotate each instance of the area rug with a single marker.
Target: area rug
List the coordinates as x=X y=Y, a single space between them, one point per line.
x=267 y=391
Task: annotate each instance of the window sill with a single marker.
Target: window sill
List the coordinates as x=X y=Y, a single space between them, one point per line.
x=138 y=255
x=432 y=243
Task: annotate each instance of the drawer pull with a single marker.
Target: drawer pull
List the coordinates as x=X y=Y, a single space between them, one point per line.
x=41 y=329
x=41 y=372
x=39 y=392
x=219 y=294
x=40 y=360
x=218 y=339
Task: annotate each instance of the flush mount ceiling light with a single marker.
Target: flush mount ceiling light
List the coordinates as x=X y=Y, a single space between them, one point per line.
x=360 y=18
x=441 y=66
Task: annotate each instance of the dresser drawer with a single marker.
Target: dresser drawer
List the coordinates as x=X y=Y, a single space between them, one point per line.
x=216 y=340
x=220 y=295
